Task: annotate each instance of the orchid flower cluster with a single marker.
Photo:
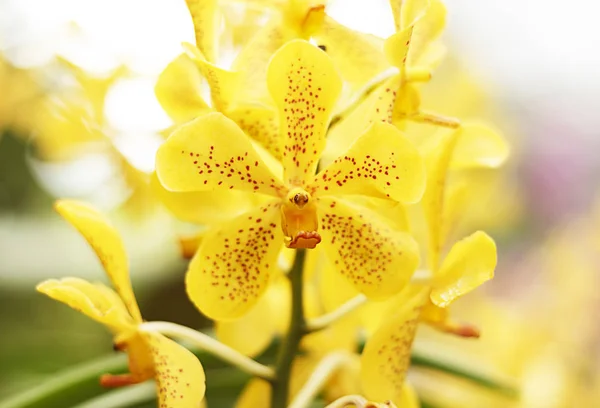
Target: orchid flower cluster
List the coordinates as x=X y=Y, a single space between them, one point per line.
x=328 y=198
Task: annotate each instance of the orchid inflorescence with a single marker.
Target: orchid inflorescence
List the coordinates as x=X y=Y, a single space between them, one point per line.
x=329 y=197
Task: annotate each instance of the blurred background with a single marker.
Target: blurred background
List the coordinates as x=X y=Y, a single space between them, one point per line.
x=79 y=119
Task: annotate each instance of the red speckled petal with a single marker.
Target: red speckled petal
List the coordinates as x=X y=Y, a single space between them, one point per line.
x=210 y=153
x=260 y=122
x=231 y=270
x=305 y=87
x=381 y=163
x=397 y=47
x=379 y=261
x=386 y=356
x=179 y=375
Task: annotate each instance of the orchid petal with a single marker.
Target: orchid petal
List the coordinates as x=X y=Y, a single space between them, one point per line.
x=178 y=90
x=212 y=152
x=231 y=269
x=470 y=262
x=305 y=86
x=377 y=260
x=386 y=356
x=108 y=245
x=381 y=163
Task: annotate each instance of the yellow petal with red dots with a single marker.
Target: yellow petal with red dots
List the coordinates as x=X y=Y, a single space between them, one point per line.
x=381 y=163
x=357 y=56
x=178 y=90
x=257 y=393
x=397 y=47
x=305 y=86
x=223 y=83
x=377 y=107
x=108 y=245
x=180 y=379
x=203 y=207
x=210 y=153
x=377 y=260
x=204 y=18
x=261 y=123
x=386 y=356
x=252 y=333
x=470 y=262
x=95 y=301
x=232 y=267
x=479 y=146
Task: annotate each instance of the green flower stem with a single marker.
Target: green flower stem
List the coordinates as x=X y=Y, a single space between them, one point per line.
x=77 y=383
x=81 y=382
x=321 y=322
x=123 y=397
x=206 y=343
x=495 y=382
x=322 y=373
x=291 y=344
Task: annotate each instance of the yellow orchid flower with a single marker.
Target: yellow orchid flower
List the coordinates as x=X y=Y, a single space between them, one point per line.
x=472 y=260
x=178 y=373
x=179 y=91
x=397 y=99
x=231 y=270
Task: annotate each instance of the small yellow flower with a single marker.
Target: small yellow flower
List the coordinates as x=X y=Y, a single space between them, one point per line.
x=472 y=260
x=178 y=373
x=232 y=268
x=397 y=99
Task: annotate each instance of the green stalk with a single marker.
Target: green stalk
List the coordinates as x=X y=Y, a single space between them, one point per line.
x=477 y=376
x=75 y=384
x=291 y=344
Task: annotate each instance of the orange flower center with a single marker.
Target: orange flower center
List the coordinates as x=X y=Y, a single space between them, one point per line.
x=299 y=220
